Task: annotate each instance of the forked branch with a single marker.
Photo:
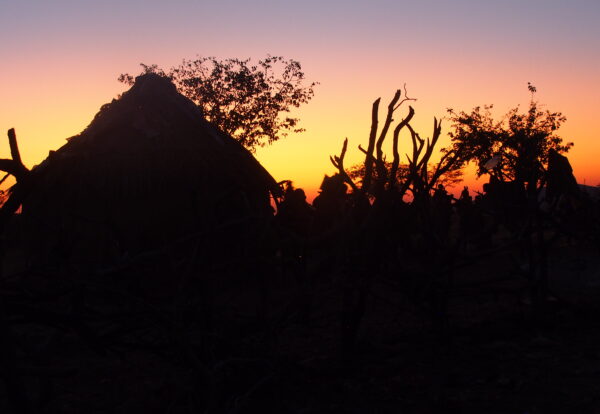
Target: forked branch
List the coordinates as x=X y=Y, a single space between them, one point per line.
x=406 y=98
x=338 y=162
x=380 y=165
x=396 y=155
x=437 y=129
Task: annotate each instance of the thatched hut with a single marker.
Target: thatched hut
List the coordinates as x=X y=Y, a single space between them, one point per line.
x=147 y=171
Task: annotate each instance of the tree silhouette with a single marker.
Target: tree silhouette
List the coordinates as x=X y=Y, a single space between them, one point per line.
x=514 y=148
x=247 y=101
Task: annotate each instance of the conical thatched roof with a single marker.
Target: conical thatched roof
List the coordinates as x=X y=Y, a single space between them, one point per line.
x=147 y=170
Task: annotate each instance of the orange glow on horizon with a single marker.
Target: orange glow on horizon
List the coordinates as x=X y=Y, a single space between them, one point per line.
x=63 y=62
x=302 y=158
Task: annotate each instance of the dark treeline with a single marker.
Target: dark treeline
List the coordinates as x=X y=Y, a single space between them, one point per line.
x=146 y=271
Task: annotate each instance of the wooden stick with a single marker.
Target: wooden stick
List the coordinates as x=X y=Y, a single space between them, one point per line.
x=372 y=137
x=14 y=147
x=396 y=159
x=338 y=162
x=14 y=166
x=380 y=165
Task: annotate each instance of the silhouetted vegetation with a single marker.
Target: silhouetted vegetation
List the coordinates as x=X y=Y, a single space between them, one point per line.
x=148 y=271
x=514 y=148
x=448 y=179
x=247 y=101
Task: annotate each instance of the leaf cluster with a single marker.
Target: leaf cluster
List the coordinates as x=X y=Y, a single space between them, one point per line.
x=518 y=143
x=248 y=101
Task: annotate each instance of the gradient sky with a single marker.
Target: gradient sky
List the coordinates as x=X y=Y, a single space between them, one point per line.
x=61 y=59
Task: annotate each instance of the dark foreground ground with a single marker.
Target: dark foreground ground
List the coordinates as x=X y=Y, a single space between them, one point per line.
x=85 y=348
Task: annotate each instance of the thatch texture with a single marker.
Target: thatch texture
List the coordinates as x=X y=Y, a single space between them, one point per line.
x=147 y=170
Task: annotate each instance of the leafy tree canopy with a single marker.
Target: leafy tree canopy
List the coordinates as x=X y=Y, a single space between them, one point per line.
x=247 y=101
x=516 y=147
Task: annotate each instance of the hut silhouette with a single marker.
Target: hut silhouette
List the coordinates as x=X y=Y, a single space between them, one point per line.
x=147 y=171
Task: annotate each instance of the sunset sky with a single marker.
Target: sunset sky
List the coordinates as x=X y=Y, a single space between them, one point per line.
x=61 y=59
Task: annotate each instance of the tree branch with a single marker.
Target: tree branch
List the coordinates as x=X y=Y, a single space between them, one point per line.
x=372 y=137
x=338 y=162
x=381 y=170
x=396 y=159
x=14 y=166
x=406 y=98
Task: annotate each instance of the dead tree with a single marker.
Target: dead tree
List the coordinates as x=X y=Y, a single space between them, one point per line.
x=369 y=233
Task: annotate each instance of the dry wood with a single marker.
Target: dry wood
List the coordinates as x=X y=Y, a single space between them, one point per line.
x=369 y=157
x=14 y=165
x=396 y=155
x=381 y=170
x=338 y=162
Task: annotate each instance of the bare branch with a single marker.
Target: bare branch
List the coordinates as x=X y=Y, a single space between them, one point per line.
x=381 y=170
x=372 y=136
x=14 y=166
x=338 y=162
x=378 y=163
x=4 y=178
x=406 y=98
x=417 y=148
x=437 y=129
x=414 y=165
x=14 y=147
x=448 y=161
x=396 y=159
